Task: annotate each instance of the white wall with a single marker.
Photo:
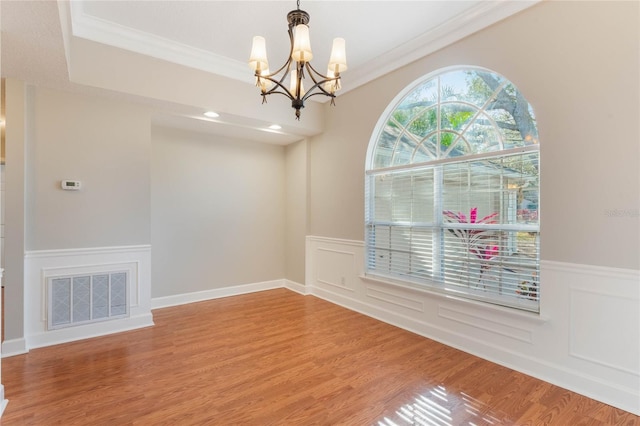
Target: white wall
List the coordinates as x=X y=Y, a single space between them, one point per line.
x=578 y=65
x=218 y=217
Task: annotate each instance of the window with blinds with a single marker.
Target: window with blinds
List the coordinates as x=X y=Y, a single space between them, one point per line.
x=452 y=190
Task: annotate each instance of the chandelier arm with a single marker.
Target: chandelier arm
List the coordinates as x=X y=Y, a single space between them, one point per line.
x=318 y=84
x=277 y=92
x=286 y=65
x=277 y=85
x=325 y=77
x=308 y=95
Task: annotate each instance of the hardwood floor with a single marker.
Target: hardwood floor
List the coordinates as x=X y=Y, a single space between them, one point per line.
x=278 y=358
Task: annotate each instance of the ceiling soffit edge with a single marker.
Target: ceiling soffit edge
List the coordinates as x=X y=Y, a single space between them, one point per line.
x=116 y=35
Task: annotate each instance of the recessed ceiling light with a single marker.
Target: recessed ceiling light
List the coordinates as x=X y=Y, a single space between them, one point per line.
x=211 y=114
x=275 y=127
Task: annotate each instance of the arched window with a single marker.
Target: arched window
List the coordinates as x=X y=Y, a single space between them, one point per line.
x=452 y=189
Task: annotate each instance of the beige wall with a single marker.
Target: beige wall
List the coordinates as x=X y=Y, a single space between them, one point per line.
x=104 y=145
x=14 y=209
x=578 y=65
x=217 y=212
x=296 y=209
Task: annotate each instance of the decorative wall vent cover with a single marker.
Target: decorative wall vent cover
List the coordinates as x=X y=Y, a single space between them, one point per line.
x=82 y=299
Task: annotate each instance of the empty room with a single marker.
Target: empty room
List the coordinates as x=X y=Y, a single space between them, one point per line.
x=320 y=212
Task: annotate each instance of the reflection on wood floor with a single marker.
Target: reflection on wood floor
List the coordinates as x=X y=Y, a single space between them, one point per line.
x=279 y=358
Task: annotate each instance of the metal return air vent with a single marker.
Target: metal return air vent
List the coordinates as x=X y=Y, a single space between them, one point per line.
x=82 y=299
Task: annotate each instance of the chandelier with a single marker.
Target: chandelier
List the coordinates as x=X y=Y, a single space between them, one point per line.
x=298 y=65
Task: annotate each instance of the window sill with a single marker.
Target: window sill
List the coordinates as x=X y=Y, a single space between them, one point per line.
x=532 y=317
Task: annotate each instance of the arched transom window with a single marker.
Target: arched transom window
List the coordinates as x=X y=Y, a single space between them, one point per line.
x=452 y=189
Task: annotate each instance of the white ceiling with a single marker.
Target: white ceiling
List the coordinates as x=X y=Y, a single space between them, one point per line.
x=184 y=57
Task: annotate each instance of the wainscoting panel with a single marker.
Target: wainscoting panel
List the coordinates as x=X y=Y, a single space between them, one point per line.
x=43 y=267
x=599 y=329
x=394 y=298
x=585 y=339
x=336 y=266
x=477 y=322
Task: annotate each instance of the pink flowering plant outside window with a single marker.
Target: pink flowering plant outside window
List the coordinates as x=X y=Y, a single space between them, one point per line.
x=479 y=243
x=475 y=239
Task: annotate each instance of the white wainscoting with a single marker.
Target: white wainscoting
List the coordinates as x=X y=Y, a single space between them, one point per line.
x=39 y=265
x=586 y=339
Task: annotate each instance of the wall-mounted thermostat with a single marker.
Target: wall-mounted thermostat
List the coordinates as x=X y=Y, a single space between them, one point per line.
x=70 y=185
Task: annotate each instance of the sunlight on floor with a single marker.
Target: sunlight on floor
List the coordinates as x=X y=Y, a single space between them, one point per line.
x=437 y=407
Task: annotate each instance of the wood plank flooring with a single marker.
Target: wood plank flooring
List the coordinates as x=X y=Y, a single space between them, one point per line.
x=278 y=358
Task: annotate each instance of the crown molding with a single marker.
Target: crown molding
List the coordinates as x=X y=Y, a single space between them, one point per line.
x=476 y=18
x=106 y=32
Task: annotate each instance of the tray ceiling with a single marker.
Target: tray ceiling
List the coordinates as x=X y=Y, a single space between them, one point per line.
x=153 y=50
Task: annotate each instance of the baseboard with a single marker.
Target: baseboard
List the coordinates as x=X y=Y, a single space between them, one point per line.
x=88 y=331
x=217 y=293
x=3 y=402
x=14 y=347
x=297 y=287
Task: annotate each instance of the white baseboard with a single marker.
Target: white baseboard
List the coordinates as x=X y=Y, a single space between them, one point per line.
x=216 y=293
x=88 y=331
x=297 y=287
x=14 y=347
x=3 y=402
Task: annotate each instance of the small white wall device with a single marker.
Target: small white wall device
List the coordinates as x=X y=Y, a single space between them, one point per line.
x=70 y=185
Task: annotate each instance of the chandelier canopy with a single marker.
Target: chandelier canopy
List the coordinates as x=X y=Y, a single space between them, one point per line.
x=298 y=65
